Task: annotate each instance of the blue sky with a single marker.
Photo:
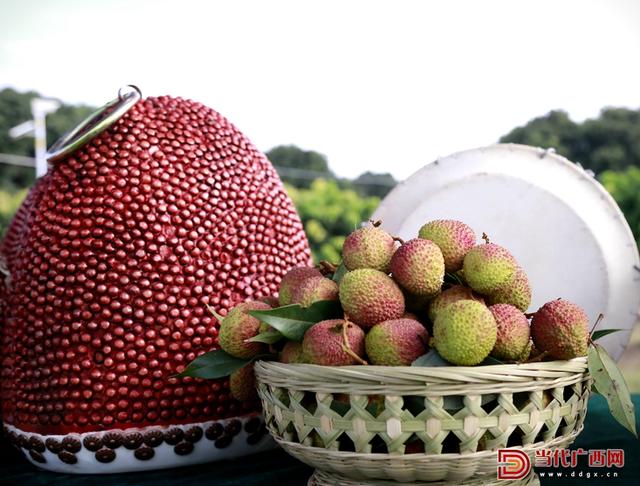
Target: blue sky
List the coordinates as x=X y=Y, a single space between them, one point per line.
x=383 y=86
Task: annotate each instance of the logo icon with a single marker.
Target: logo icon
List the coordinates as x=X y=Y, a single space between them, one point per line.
x=513 y=464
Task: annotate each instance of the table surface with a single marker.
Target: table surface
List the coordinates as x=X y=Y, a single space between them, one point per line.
x=277 y=468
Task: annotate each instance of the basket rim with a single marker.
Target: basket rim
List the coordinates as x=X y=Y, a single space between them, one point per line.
x=541 y=366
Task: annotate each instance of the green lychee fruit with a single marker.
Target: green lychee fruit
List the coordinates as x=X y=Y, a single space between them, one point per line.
x=397 y=342
x=516 y=292
x=237 y=327
x=561 y=328
x=242 y=384
x=512 y=340
x=292 y=281
x=454 y=238
x=446 y=297
x=487 y=267
x=323 y=343
x=418 y=266
x=292 y=353
x=369 y=296
x=465 y=332
x=368 y=247
x=315 y=289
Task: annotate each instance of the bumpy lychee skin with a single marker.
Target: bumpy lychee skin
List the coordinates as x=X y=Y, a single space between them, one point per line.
x=517 y=292
x=323 y=343
x=115 y=254
x=418 y=266
x=292 y=353
x=561 y=328
x=238 y=326
x=397 y=342
x=369 y=296
x=487 y=267
x=242 y=384
x=291 y=282
x=454 y=238
x=452 y=294
x=513 y=338
x=465 y=332
x=368 y=247
x=315 y=289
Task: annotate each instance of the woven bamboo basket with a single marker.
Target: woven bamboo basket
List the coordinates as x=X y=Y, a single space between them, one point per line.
x=420 y=424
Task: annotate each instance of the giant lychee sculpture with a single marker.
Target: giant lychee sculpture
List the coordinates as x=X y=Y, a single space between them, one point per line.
x=112 y=260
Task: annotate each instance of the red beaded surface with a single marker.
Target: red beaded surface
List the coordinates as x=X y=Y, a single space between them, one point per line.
x=113 y=256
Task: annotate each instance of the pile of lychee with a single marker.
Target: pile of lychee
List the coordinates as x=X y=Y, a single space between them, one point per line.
x=442 y=291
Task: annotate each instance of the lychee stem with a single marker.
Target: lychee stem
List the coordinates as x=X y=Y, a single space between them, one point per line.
x=326 y=267
x=529 y=315
x=540 y=357
x=375 y=224
x=598 y=321
x=345 y=343
x=398 y=239
x=485 y=237
x=215 y=314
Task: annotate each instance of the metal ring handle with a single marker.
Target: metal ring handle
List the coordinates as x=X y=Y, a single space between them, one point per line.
x=94 y=124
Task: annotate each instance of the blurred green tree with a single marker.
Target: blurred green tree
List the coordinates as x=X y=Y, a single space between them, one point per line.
x=373 y=184
x=299 y=167
x=624 y=186
x=15 y=108
x=329 y=213
x=609 y=142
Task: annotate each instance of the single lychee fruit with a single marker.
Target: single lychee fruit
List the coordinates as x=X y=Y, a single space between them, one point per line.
x=368 y=247
x=512 y=340
x=238 y=326
x=561 y=328
x=454 y=238
x=292 y=281
x=418 y=266
x=315 y=289
x=292 y=353
x=323 y=343
x=487 y=267
x=369 y=296
x=446 y=297
x=516 y=291
x=242 y=384
x=465 y=332
x=397 y=342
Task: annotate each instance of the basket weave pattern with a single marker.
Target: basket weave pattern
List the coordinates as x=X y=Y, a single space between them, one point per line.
x=420 y=424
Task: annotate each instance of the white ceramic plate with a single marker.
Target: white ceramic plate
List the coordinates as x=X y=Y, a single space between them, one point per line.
x=558 y=221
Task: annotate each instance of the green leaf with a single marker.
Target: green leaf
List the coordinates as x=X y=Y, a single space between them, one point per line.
x=602 y=333
x=432 y=358
x=453 y=279
x=214 y=364
x=267 y=337
x=609 y=382
x=339 y=273
x=294 y=320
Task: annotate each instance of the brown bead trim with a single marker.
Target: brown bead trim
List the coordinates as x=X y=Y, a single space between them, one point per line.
x=103 y=446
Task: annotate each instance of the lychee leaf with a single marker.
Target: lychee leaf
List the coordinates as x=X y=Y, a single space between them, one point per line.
x=294 y=320
x=432 y=358
x=214 y=364
x=603 y=332
x=267 y=337
x=610 y=383
x=339 y=273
